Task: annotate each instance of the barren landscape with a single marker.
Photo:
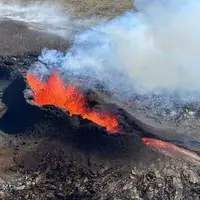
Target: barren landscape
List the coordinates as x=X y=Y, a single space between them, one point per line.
x=67 y=134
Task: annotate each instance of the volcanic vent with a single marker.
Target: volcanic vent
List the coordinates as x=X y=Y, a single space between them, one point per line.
x=54 y=92
x=74 y=118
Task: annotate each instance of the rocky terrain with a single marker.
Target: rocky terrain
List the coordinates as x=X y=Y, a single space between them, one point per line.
x=47 y=154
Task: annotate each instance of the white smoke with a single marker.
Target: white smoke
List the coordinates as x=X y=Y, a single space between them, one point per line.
x=165 y=47
x=45 y=17
x=153 y=53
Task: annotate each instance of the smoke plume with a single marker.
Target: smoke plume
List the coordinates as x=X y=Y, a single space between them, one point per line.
x=152 y=53
x=47 y=17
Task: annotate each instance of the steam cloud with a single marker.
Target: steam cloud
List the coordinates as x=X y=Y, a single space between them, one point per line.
x=153 y=53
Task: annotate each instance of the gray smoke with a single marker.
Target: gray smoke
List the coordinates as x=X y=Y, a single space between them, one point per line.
x=150 y=56
x=46 y=17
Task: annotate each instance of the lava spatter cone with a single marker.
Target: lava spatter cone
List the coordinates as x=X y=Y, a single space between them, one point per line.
x=55 y=122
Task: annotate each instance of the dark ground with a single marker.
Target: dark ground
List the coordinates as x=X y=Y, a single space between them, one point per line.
x=45 y=154
x=16 y=38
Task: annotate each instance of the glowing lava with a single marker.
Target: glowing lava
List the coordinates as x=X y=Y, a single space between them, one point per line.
x=171 y=149
x=55 y=92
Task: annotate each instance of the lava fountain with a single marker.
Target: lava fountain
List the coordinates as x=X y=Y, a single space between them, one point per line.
x=55 y=92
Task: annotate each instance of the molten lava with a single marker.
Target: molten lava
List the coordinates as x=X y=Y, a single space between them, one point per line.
x=55 y=92
x=171 y=149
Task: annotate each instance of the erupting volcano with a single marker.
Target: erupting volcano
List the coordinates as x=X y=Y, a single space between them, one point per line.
x=55 y=92
x=69 y=97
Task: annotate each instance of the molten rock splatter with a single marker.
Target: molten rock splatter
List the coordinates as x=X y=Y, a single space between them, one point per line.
x=55 y=92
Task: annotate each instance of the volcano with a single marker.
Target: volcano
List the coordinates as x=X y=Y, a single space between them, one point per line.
x=75 y=126
x=55 y=92
x=69 y=136
x=69 y=118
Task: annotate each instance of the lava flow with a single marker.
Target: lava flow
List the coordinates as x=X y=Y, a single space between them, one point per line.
x=171 y=149
x=55 y=92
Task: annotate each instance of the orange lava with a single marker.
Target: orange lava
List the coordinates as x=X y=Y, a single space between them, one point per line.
x=171 y=149
x=55 y=92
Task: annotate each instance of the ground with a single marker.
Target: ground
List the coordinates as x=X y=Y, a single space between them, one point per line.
x=43 y=160
x=108 y=8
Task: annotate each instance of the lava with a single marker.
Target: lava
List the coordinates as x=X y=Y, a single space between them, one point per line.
x=171 y=149
x=68 y=97
x=56 y=92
